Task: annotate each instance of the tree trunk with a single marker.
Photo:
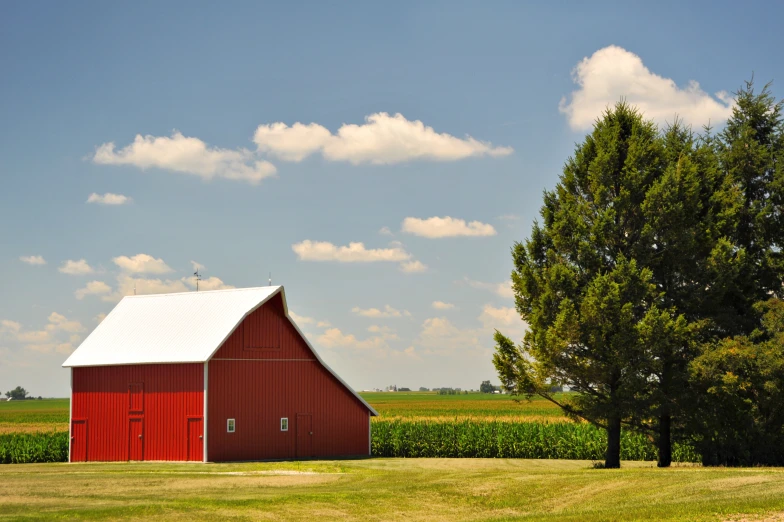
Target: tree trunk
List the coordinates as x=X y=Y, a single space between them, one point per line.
x=665 y=441
x=613 y=457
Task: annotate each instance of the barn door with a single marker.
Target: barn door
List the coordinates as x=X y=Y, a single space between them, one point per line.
x=136 y=439
x=79 y=441
x=304 y=435
x=195 y=439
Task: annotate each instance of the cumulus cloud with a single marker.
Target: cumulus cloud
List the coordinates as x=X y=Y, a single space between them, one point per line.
x=353 y=253
x=502 y=318
x=437 y=227
x=142 y=264
x=79 y=267
x=413 y=267
x=334 y=338
x=188 y=155
x=33 y=260
x=388 y=311
x=59 y=335
x=93 y=288
x=197 y=266
x=100 y=317
x=301 y=319
x=128 y=285
x=209 y=283
x=385 y=231
x=501 y=289
x=382 y=139
x=108 y=199
x=440 y=305
x=613 y=73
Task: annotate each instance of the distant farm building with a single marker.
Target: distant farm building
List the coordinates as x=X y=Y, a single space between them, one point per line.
x=209 y=376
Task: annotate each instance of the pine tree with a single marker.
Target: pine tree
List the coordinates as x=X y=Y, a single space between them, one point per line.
x=592 y=307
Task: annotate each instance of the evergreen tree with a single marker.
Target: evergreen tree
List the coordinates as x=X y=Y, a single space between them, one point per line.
x=592 y=306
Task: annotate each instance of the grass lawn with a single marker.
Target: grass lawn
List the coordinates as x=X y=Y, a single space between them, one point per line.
x=390 y=489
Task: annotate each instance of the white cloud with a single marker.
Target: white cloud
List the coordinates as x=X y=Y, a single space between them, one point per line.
x=79 y=267
x=440 y=305
x=58 y=322
x=99 y=318
x=439 y=336
x=197 y=266
x=52 y=338
x=301 y=319
x=10 y=327
x=33 y=260
x=334 y=338
x=142 y=264
x=413 y=267
x=93 y=288
x=384 y=331
x=388 y=311
x=210 y=283
x=382 y=139
x=385 y=231
x=108 y=199
x=502 y=289
x=188 y=155
x=502 y=318
x=127 y=285
x=437 y=227
x=509 y=217
x=613 y=73
x=323 y=324
x=353 y=253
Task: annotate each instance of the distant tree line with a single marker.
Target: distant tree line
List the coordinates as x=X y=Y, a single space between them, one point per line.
x=653 y=285
x=19 y=394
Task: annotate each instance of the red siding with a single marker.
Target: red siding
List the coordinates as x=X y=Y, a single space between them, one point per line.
x=258 y=330
x=163 y=398
x=258 y=393
x=264 y=371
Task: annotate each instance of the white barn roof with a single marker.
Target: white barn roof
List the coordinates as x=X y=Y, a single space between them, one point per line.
x=186 y=327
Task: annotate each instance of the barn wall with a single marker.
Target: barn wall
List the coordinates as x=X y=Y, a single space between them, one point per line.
x=257 y=393
x=171 y=394
x=257 y=387
x=265 y=334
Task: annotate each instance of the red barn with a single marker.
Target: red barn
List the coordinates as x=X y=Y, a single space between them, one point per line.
x=209 y=376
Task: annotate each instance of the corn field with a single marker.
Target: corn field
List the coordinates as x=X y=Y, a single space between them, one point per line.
x=25 y=448
x=494 y=439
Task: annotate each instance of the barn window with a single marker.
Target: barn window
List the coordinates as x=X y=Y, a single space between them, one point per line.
x=284 y=424
x=230 y=425
x=136 y=397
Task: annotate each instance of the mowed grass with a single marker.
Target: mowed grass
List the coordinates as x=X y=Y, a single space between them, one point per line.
x=390 y=489
x=473 y=406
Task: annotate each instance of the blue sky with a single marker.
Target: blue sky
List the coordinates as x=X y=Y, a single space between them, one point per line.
x=428 y=132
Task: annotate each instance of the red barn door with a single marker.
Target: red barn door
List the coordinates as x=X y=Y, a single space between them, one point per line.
x=136 y=439
x=304 y=435
x=195 y=439
x=79 y=441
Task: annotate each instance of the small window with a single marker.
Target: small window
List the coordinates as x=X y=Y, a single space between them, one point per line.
x=284 y=424
x=230 y=425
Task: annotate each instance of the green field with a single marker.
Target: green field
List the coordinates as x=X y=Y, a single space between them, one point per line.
x=52 y=414
x=390 y=489
x=429 y=405
x=33 y=415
